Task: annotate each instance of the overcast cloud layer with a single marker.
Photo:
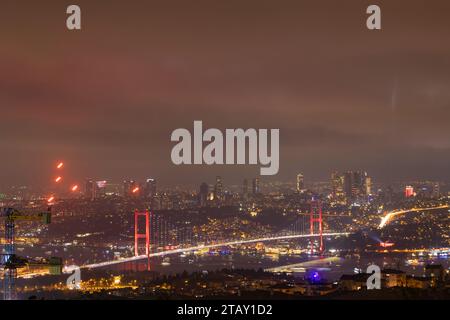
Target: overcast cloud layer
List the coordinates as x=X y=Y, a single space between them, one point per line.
x=106 y=99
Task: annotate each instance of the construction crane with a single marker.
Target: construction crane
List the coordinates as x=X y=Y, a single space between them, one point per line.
x=9 y=260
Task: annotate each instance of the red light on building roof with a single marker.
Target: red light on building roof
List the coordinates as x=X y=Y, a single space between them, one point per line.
x=409 y=191
x=386 y=244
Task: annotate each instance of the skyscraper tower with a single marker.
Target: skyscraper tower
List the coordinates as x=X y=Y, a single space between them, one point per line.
x=149 y=188
x=300 y=182
x=218 y=189
x=436 y=190
x=409 y=191
x=337 y=186
x=90 y=191
x=368 y=185
x=357 y=185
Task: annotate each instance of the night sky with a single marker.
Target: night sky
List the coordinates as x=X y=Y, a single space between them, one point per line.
x=106 y=99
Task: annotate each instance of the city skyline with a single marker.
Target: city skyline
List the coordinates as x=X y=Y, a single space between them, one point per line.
x=79 y=183
x=224 y=157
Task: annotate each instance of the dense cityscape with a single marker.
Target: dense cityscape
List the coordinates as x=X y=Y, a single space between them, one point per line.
x=202 y=159
x=221 y=240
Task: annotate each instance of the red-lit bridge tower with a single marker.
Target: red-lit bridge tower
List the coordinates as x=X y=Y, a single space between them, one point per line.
x=315 y=221
x=145 y=235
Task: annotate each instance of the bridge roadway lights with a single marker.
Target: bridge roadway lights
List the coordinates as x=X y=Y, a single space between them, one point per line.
x=216 y=245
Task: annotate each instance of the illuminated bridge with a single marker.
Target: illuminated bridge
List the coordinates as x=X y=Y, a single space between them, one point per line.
x=294 y=231
x=199 y=247
x=180 y=240
x=391 y=215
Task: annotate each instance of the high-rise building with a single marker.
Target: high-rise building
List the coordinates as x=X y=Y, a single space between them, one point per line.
x=100 y=188
x=357 y=185
x=90 y=191
x=149 y=188
x=368 y=185
x=218 y=189
x=349 y=185
x=436 y=190
x=255 y=186
x=409 y=191
x=300 y=183
x=203 y=194
x=337 y=186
